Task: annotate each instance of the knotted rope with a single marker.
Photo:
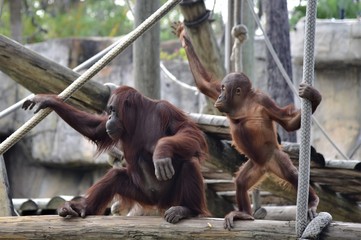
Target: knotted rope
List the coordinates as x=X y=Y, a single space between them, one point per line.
x=240 y=34
x=88 y=74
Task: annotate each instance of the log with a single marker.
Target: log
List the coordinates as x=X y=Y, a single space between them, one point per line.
x=280 y=213
x=6 y=206
x=213 y=124
x=41 y=75
x=147 y=227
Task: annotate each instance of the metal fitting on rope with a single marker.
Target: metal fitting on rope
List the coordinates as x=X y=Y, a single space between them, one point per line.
x=198 y=21
x=190 y=2
x=111 y=86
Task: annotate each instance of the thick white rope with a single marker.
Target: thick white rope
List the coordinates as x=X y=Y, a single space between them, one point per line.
x=306 y=112
x=240 y=35
x=88 y=74
x=315 y=227
x=174 y=79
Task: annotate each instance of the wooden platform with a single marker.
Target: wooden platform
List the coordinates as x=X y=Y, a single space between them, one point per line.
x=110 y=227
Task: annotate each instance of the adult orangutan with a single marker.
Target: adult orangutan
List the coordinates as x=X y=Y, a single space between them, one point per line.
x=252 y=116
x=162 y=147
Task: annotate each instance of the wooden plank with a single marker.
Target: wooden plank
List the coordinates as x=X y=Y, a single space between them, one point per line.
x=344 y=164
x=220 y=184
x=336 y=173
x=146 y=227
x=335 y=182
x=212 y=124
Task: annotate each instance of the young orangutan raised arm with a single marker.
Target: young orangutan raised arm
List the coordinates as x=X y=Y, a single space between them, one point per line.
x=205 y=82
x=252 y=115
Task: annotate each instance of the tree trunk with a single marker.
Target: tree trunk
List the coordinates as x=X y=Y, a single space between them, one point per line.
x=248 y=45
x=15 y=20
x=146 y=52
x=277 y=28
x=6 y=205
x=204 y=41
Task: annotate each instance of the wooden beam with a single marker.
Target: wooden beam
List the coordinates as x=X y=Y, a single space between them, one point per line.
x=145 y=227
x=41 y=75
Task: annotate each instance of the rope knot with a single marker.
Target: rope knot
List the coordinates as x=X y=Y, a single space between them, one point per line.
x=240 y=33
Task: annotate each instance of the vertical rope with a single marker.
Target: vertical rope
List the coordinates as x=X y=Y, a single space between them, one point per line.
x=306 y=113
x=81 y=80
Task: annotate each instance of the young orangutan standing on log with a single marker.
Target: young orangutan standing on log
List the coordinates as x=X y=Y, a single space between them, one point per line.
x=252 y=115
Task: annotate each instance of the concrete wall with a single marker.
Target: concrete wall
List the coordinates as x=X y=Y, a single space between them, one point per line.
x=338 y=77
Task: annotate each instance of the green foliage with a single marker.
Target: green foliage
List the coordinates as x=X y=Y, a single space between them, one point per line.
x=298 y=13
x=327 y=9
x=333 y=8
x=46 y=19
x=52 y=19
x=101 y=19
x=178 y=54
x=5 y=23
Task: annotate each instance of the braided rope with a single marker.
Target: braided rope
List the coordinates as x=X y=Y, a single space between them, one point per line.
x=315 y=227
x=81 y=80
x=306 y=113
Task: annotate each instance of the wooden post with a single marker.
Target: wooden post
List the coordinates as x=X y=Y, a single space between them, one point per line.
x=146 y=52
x=248 y=46
x=201 y=34
x=6 y=206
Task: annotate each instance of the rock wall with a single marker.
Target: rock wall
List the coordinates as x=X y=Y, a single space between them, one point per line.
x=54 y=159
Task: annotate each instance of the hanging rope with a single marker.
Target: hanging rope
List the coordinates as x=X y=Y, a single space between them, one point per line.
x=306 y=112
x=315 y=227
x=88 y=74
x=174 y=79
x=240 y=34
